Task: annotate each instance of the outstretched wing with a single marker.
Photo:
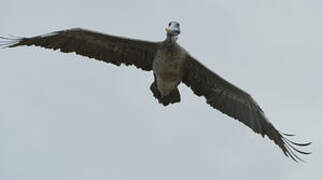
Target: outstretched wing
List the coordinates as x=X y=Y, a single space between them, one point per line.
x=236 y=103
x=108 y=48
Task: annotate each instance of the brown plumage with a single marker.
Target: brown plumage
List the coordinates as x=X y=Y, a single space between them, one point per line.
x=170 y=67
x=229 y=99
x=107 y=48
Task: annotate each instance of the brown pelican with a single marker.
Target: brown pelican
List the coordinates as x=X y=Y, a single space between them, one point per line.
x=171 y=65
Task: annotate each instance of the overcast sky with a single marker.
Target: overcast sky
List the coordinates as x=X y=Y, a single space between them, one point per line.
x=64 y=116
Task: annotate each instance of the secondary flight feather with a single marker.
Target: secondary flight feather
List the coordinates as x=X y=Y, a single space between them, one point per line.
x=171 y=64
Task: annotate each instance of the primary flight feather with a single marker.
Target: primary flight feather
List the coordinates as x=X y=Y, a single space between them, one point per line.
x=171 y=64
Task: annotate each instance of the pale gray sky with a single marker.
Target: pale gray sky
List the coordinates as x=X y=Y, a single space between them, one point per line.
x=66 y=117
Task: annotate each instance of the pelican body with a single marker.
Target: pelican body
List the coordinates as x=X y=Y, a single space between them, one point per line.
x=168 y=67
x=171 y=64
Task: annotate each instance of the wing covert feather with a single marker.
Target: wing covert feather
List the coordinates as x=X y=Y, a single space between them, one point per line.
x=104 y=47
x=236 y=103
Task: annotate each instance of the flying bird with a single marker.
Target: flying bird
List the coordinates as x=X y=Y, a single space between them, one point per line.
x=171 y=64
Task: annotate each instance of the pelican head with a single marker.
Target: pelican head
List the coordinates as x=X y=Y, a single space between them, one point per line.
x=173 y=29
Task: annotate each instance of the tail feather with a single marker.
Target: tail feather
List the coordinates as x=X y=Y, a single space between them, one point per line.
x=171 y=98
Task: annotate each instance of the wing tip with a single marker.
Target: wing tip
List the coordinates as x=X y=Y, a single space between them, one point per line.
x=292 y=148
x=9 y=41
